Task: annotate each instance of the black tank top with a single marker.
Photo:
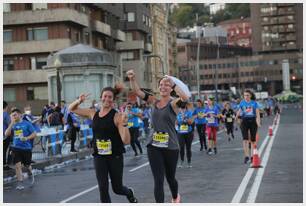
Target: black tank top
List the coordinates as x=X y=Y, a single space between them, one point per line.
x=105 y=129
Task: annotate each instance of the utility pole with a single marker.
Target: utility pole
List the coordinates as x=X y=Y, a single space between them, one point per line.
x=198 y=58
x=216 y=71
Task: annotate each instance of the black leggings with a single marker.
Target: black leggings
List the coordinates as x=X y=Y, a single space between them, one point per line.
x=163 y=162
x=112 y=165
x=201 y=128
x=134 y=131
x=185 y=139
x=229 y=128
x=6 y=144
x=72 y=134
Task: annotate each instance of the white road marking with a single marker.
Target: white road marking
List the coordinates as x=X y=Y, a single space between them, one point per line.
x=255 y=187
x=241 y=189
x=141 y=166
x=79 y=194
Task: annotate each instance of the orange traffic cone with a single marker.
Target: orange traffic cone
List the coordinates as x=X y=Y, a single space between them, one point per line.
x=270 y=131
x=257 y=137
x=256 y=159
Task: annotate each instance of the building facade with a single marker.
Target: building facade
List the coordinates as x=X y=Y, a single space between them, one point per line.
x=239 y=31
x=32 y=31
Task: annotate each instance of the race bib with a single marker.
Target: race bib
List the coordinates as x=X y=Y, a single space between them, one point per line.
x=160 y=139
x=104 y=147
x=211 y=120
x=229 y=119
x=184 y=127
x=201 y=115
x=19 y=133
x=130 y=124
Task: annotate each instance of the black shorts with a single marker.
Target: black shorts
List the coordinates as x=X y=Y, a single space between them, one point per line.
x=22 y=156
x=249 y=125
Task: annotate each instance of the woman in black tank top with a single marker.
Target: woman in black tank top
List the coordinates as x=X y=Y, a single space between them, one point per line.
x=109 y=136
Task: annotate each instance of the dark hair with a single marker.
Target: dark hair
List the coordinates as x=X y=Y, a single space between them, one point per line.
x=4 y=104
x=63 y=101
x=253 y=97
x=57 y=109
x=52 y=103
x=200 y=101
x=115 y=91
x=15 y=109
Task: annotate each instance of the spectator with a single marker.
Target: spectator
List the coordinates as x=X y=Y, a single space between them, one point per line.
x=6 y=140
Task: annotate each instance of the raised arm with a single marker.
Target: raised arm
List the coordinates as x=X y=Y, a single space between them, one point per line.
x=74 y=107
x=135 y=88
x=120 y=120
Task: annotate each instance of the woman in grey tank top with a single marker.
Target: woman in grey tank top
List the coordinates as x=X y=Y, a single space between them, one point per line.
x=162 y=146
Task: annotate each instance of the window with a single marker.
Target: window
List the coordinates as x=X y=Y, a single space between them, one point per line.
x=30 y=93
x=6 y=7
x=143 y=19
x=37 y=34
x=77 y=36
x=210 y=66
x=40 y=62
x=39 y=6
x=9 y=94
x=7 y=35
x=109 y=80
x=150 y=22
x=128 y=55
x=28 y=6
x=131 y=17
x=8 y=64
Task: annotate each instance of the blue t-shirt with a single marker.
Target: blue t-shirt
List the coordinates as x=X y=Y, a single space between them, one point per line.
x=182 y=118
x=133 y=119
x=6 y=121
x=212 y=121
x=22 y=129
x=200 y=119
x=248 y=109
x=30 y=118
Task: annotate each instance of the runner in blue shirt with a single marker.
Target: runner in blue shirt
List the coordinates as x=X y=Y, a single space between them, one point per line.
x=133 y=124
x=200 y=122
x=23 y=132
x=212 y=114
x=185 y=136
x=249 y=112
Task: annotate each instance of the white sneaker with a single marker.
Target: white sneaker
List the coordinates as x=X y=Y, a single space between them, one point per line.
x=19 y=186
x=180 y=165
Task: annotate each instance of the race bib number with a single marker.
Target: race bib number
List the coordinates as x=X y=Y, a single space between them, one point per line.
x=184 y=127
x=201 y=115
x=18 y=133
x=229 y=119
x=104 y=147
x=211 y=120
x=160 y=139
x=130 y=124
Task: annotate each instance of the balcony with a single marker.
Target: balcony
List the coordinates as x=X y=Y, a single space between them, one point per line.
x=101 y=27
x=24 y=76
x=45 y=16
x=26 y=47
x=130 y=45
x=120 y=35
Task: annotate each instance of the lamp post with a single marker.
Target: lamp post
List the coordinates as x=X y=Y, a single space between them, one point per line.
x=57 y=64
x=216 y=71
x=198 y=58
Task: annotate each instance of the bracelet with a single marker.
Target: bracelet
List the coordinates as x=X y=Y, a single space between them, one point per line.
x=173 y=86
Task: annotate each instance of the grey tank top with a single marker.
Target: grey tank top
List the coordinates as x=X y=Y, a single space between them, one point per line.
x=163 y=120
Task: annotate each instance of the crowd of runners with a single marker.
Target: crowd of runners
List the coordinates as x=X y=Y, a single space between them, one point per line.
x=168 y=124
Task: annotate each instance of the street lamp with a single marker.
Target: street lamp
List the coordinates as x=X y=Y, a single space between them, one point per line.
x=216 y=72
x=58 y=64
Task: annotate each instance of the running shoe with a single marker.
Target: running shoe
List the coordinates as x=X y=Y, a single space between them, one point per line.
x=180 y=165
x=229 y=139
x=246 y=160
x=177 y=199
x=31 y=178
x=132 y=198
x=209 y=152
x=215 y=150
x=189 y=165
x=19 y=186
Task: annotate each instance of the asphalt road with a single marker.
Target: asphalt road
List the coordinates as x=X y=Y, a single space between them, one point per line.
x=221 y=178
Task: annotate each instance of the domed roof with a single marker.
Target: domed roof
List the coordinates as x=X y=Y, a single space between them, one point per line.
x=79 y=55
